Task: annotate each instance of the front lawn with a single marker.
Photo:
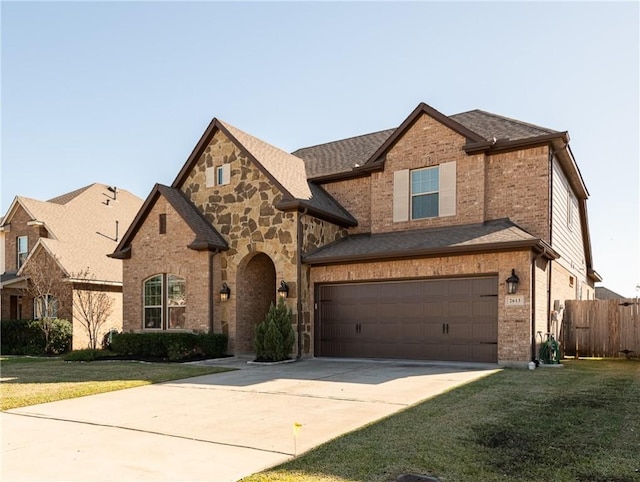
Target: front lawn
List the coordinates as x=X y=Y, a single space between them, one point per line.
x=28 y=381
x=580 y=423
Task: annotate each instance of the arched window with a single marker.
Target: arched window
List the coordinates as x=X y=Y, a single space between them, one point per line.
x=165 y=300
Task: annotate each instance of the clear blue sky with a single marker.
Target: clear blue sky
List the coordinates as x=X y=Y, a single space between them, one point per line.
x=120 y=92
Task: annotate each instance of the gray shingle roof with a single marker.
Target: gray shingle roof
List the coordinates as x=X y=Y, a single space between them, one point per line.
x=206 y=236
x=341 y=156
x=491 y=235
x=490 y=125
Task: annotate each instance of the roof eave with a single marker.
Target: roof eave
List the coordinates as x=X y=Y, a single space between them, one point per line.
x=534 y=244
x=300 y=205
x=508 y=144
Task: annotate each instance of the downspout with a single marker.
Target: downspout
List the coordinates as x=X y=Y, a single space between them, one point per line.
x=533 y=305
x=549 y=263
x=299 y=281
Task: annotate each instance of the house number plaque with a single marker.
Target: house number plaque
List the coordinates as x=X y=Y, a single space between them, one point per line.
x=514 y=300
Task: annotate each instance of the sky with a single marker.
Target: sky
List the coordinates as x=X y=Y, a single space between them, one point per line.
x=120 y=92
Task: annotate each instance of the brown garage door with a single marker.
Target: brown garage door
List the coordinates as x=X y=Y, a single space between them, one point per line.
x=444 y=319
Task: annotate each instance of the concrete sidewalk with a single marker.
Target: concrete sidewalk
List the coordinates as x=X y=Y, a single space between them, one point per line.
x=215 y=427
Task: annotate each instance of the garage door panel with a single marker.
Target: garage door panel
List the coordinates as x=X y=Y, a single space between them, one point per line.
x=444 y=319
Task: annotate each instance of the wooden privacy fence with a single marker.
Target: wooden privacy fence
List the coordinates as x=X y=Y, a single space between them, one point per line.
x=601 y=328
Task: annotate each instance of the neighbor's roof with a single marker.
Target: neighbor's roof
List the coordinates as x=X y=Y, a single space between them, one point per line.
x=489 y=236
x=82 y=227
x=603 y=293
x=343 y=156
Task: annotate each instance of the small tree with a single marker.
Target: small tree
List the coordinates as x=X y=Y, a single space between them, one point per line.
x=48 y=288
x=275 y=336
x=91 y=307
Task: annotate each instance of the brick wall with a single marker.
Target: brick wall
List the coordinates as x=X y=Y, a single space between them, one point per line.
x=153 y=253
x=113 y=321
x=429 y=143
x=517 y=187
x=19 y=228
x=514 y=322
x=355 y=196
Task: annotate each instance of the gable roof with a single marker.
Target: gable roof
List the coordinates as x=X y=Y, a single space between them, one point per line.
x=286 y=171
x=603 y=293
x=495 y=235
x=206 y=237
x=82 y=229
x=482 y=130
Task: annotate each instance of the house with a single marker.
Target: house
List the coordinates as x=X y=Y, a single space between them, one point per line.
x=395 y=244
x=74 y=232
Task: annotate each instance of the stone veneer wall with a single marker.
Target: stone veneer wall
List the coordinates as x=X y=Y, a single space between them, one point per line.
x=243 y=212
x=514 y=322
x=429 y=143
x=316 y=233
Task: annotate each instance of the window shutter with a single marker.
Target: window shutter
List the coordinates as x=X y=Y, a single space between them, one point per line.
x=226 y=173
x=401 y=195
x=448 y=189
x=210 y=175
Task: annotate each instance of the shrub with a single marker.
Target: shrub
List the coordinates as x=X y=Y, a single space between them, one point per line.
x=25 y=337
x=170 y=346
x=86 y=355
x=60 y=337
x=21 y=337
x=275 y=336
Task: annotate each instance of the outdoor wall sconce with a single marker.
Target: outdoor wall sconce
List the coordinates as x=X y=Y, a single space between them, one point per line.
x=512 y=282
x=225 y=292
x=283 y=291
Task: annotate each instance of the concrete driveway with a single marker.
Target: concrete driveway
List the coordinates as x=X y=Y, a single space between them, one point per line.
x=216 y=427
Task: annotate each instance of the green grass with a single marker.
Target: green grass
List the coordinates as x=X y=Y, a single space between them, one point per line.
x=28 y=381
x=580 y=423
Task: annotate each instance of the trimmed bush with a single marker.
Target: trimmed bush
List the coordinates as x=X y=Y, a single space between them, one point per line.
x=275 y=336
x=169 y=346
x=86 y=355
x=25 y=337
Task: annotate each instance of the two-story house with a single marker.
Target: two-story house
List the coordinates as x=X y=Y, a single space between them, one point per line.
x=446 y=238
x=75 y=231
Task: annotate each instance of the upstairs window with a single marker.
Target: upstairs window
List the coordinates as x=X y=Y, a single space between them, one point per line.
x=425 y=186
x=223 y=174
x=424 y=193
x=572 y=207
x=22 y=247
x=165 y=301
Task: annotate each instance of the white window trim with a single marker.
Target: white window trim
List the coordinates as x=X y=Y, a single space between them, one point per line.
x=18 y=252
x=145 y=306
x=223 y=174
x=426 y=193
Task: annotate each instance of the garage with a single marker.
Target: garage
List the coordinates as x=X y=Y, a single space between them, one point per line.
x=453 y=319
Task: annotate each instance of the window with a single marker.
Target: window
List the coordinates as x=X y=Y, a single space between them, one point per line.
x=425 y=185
x=153 y=303
x=165 y=298
x=22 y=247
x=223 y=174
x=45 y=307
x=424 y=193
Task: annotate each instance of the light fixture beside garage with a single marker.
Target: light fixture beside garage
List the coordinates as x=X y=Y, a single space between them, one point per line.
x=283 y=291
x=225 y=292
x=512 y=283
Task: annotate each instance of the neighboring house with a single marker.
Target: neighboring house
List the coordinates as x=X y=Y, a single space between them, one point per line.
x=603 y=293
x=77 y=230
x=395 y=244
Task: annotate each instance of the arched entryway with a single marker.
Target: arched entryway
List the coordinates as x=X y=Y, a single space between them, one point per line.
x=256 y=291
